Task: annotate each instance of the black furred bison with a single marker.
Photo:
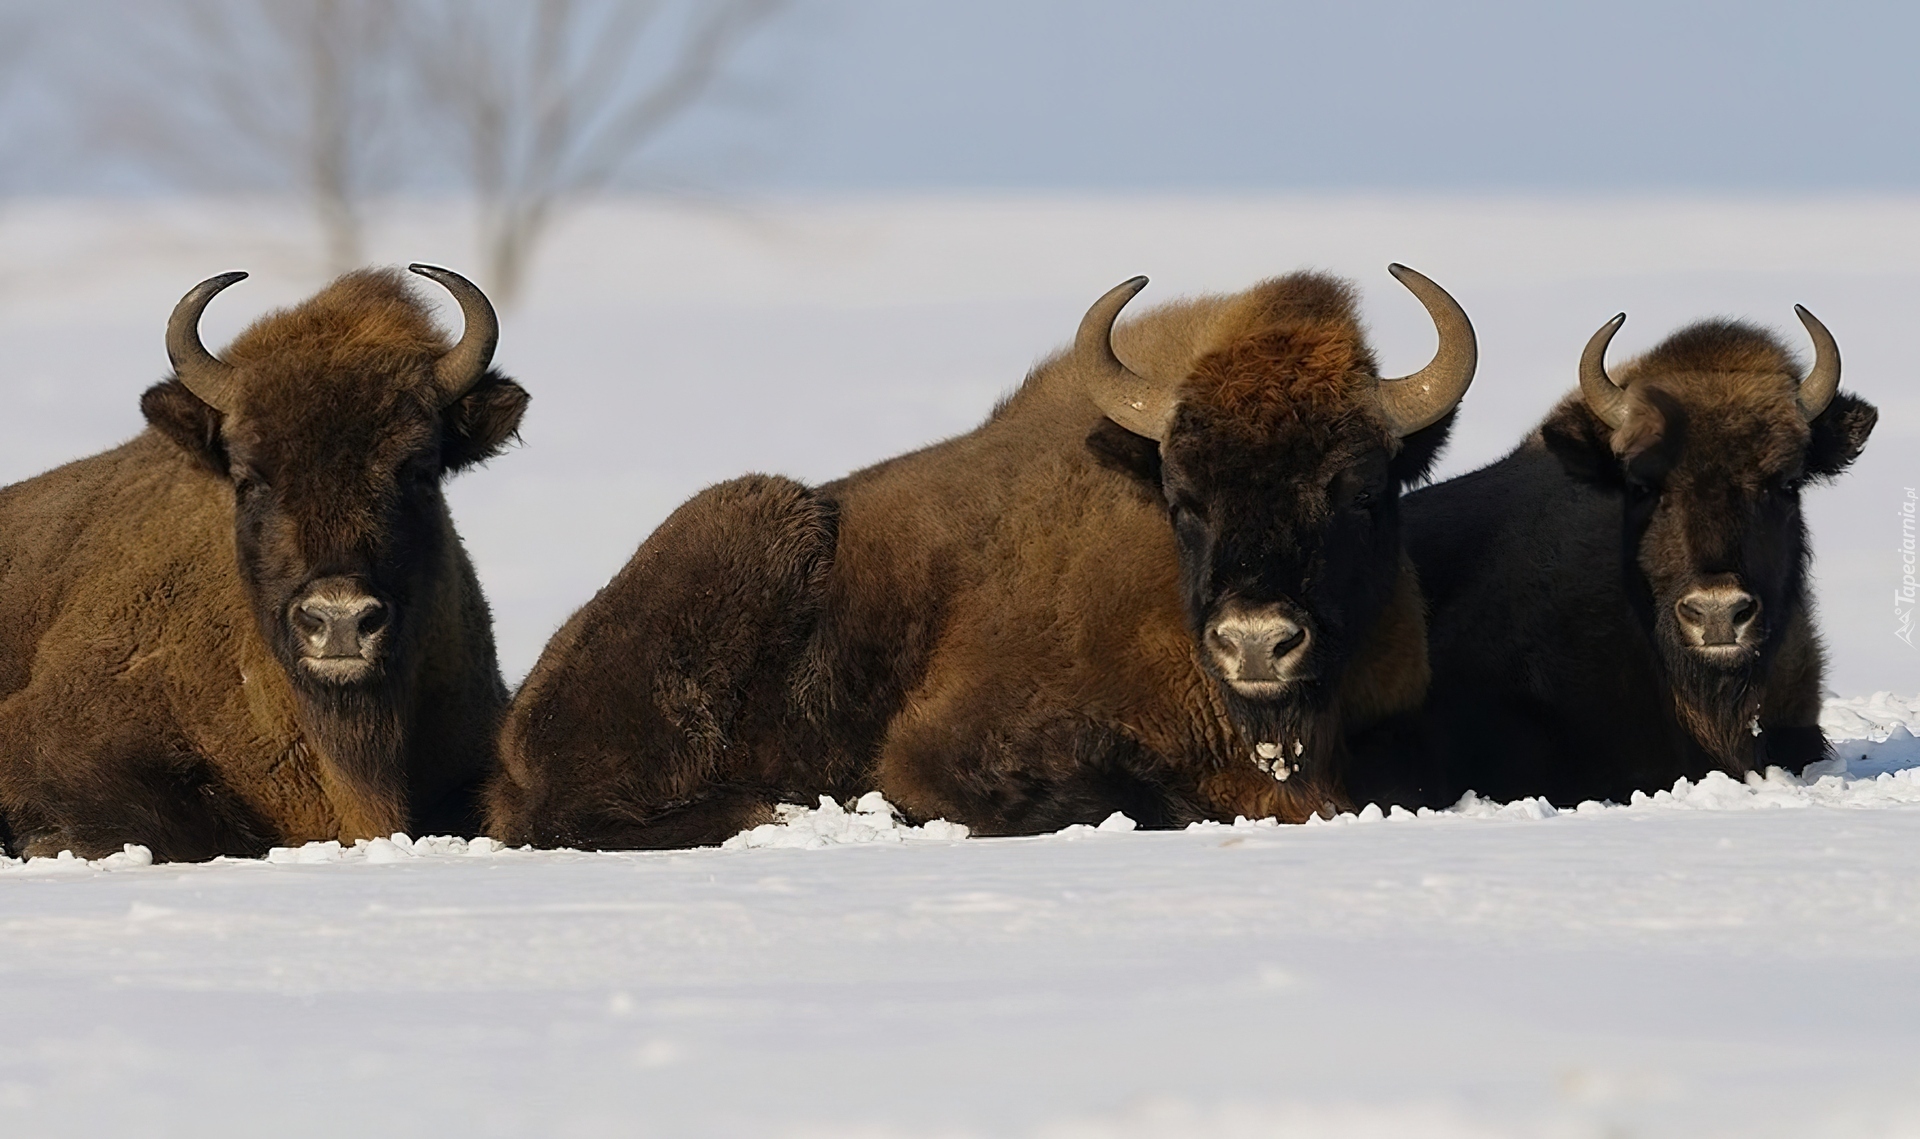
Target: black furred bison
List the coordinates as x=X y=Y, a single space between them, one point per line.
x=1167 y=589
x=254 y=623
x=1622 y=601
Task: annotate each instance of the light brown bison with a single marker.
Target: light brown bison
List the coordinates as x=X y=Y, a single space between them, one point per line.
x=1623 y=600
x=254 y=623
x=1169 y=589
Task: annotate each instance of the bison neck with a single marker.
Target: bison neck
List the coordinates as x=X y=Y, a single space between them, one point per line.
x=1300 y=740
x=359 y=737
x=1717 y=708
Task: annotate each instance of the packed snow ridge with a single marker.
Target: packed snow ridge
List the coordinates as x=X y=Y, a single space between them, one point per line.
x=1876 y=763
x=872 y=819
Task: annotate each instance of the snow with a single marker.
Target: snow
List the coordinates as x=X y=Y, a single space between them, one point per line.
x=871 y=819
x=1720 y=958
x=1727 y=958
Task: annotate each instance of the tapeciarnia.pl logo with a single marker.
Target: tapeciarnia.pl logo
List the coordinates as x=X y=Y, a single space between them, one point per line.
x=1905 y=597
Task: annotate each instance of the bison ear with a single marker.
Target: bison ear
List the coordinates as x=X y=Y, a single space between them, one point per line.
x=1649 y=442
x=1840 y=434
x=1642 y=449
x=193 y=426
x=1582 y=443
x=1419 y=450
x=1118 y=449
x=480 y=423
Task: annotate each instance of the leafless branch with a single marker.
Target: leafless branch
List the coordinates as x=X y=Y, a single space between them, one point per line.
x=287 y=94
x=548 y=102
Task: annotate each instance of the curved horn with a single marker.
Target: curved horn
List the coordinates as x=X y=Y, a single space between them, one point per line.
x=206 y=375
x=467 y=361
x=1605 y=398
x=1127 y=397
x=1425 y=397
x=1817 y=390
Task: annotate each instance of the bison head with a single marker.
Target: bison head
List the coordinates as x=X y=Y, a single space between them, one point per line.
x=1280 y=459
x=1709 y=439
x=335 y=422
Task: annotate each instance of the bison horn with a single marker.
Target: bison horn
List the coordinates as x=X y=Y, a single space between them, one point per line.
x=1124 y=395
x=1816 y=391
x=1424 y=398
x=207 y=376
x=1605 y=398
x=467 y=361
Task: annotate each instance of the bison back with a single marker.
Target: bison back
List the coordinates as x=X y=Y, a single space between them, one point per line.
x=649 y=718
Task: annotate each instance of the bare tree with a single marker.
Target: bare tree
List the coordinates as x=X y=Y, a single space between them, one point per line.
x=546 y=102
x=266 y=94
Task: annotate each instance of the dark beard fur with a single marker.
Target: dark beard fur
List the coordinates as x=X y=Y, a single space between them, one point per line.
x=1715 y=706
x=359 y=732
x=1308 y=719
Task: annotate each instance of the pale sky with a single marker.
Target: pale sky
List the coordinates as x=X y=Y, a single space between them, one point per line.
x=1244 y=95
x=1377 y=94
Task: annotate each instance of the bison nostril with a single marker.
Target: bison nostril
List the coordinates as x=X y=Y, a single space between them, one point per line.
x=307 y=620
x=1745 y=611
x=1288 y=642
x=373 y=620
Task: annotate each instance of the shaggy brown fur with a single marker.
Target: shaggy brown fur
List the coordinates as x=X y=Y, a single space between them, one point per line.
x=1553 y=575
x=1000 y=629
x=147 y=693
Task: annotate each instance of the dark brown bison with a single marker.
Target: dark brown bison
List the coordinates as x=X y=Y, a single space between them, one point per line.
x=1622 y=601
x=1168 y=589
x=254 y=623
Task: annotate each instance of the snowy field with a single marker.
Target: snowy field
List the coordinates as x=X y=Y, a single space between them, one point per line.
x=1718 y=960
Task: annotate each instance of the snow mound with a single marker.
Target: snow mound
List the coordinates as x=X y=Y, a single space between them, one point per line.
x=397 y=848
x=1872 y=735
x=1116 y=823
x=1836 y=783
x=1869 y=717
x=128 y=857
x=871 y=820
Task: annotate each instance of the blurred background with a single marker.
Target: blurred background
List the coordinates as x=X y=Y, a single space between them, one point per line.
x=802 y=235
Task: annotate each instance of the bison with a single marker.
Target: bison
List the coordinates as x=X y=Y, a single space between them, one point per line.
x=254 y=623
x=1168 y=589
x=1622 y=600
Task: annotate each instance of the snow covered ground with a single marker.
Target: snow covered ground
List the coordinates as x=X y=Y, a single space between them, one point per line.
x=1721 y=959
